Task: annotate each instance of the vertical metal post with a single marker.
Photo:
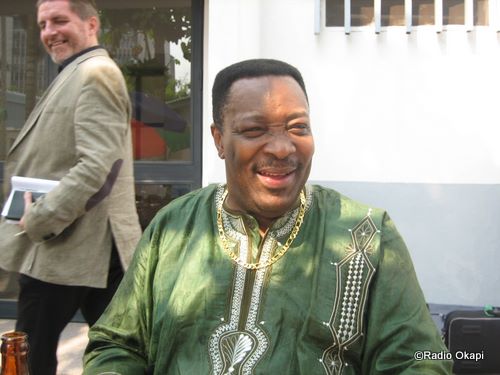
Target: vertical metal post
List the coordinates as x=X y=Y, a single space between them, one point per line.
x=378 y=15
x=408 y=15
x=438 y=15
x=347 y=16
x=3 y=87
x=469 y=14
x=317 y=17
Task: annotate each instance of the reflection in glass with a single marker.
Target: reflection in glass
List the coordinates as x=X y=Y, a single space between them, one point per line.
x=422 y=12
x=334 y=10
x=393 y=13
x=9 y=288
x=153 y=48
x=150 y=198
x=481 y=13
x=453 y=12
x=24 y=74
x=362 y=13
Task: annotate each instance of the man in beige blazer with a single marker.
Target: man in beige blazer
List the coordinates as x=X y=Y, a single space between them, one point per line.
x=71 y=245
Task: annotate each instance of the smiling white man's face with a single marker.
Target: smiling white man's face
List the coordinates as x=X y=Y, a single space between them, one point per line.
x=62 y=32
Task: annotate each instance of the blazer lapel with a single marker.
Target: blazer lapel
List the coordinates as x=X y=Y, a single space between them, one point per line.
x=40 y=106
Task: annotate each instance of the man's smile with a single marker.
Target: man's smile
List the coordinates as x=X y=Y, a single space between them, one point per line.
x=271 y=173
x=276 y=178
x=56 y=43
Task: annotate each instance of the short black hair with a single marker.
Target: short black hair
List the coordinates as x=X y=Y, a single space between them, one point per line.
x=247 y=69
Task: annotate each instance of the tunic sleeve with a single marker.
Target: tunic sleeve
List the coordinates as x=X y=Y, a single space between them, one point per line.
x=119 y=340
x=398 y=321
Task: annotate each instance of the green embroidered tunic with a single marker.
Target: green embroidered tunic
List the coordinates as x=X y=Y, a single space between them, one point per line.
x=343 y=300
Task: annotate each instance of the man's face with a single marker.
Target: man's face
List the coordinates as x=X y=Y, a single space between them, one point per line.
x=267 y=145
x=62 y=32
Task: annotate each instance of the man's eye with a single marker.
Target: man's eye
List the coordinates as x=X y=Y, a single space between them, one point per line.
x=60 y=21
x=299 y=129
x=253 y=132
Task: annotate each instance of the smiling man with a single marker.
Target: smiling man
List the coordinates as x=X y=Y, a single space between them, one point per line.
x=266 y=274
x=268 y=146
x=72 y=244
x=67 y=28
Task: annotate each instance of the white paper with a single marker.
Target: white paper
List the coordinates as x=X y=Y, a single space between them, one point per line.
x=27 y=184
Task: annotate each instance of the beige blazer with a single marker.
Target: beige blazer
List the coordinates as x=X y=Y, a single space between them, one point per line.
x=79 y=134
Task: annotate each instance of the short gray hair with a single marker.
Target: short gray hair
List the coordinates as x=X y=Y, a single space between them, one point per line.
x=83 y=8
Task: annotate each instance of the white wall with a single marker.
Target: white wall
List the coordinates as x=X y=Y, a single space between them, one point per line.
x=419 y=108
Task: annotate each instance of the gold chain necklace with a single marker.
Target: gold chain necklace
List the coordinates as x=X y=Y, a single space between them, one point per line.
x=279 y=254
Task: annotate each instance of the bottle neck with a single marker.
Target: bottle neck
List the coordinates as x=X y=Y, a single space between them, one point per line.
x=14 y=349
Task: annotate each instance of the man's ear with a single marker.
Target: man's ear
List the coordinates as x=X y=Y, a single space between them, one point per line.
x=217 y=136
x=94 y=26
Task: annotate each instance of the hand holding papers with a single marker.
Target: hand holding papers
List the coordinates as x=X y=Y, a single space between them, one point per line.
x=13 y=209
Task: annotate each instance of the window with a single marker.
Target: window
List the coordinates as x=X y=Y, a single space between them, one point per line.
x=334 y=10
x=394 y=13
x=453 y=12
x=481 y=13
x=422 y=12
x=361 y=13
x=153 y=45
x=158 y=46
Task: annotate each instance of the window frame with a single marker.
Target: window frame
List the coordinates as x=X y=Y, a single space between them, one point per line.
x=158 y=172
x=438 y=26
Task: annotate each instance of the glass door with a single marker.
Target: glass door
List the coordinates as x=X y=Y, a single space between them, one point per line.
x=158 y=46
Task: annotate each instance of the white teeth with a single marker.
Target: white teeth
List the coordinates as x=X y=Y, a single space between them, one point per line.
x=273 y=174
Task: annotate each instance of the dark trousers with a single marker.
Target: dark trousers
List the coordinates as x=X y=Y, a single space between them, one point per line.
x=44 y=309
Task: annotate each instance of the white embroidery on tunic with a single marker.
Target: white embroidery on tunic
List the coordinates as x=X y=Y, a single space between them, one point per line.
x=354 y=274
x=234 y=350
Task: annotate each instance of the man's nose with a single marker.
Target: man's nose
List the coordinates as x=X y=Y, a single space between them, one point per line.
x=280 y=145
x=48 y=29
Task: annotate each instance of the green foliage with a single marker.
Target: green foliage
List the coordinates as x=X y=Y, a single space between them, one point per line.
x=175 y=89
x=159 y=24
x=149 y=29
